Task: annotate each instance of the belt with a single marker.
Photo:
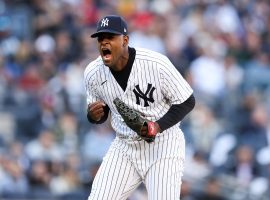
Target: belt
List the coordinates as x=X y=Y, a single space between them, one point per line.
x=129 y=137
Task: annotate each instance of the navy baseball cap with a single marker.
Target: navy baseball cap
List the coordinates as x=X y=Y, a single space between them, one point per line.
x=111 y=24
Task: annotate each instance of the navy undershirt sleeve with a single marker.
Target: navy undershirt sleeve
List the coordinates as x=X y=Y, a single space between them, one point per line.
x=176 y=113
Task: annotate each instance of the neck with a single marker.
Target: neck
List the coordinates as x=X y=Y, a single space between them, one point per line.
x=123 y=60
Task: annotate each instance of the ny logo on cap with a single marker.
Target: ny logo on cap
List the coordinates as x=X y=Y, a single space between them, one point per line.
x=104 y=22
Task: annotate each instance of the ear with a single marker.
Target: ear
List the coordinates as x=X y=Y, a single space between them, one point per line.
x=126 y=39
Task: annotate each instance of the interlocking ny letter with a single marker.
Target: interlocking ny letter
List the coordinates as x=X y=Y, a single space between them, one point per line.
x=104 y=22
x=147 y=96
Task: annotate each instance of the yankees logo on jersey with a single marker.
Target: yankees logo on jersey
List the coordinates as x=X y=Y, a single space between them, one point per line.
x=146 y=97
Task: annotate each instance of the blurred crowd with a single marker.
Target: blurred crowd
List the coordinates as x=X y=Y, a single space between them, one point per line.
x=48 y=149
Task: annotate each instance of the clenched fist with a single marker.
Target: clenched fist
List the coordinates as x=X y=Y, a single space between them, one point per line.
x=96 y=110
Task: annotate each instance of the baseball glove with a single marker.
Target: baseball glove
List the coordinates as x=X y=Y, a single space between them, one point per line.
x=143 y=127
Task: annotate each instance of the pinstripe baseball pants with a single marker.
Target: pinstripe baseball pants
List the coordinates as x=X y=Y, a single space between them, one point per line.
x=159 y=165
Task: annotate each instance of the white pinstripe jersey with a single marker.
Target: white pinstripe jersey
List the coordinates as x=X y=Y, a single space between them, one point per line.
x=154 y=84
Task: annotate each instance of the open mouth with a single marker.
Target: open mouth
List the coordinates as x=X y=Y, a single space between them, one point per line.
x=106 y=54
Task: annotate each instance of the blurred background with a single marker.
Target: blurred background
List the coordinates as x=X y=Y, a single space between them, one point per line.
x=48 y=150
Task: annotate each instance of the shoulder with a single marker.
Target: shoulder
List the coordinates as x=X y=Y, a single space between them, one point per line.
x=152 y=56
x=93 y=67
x=141 y=52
